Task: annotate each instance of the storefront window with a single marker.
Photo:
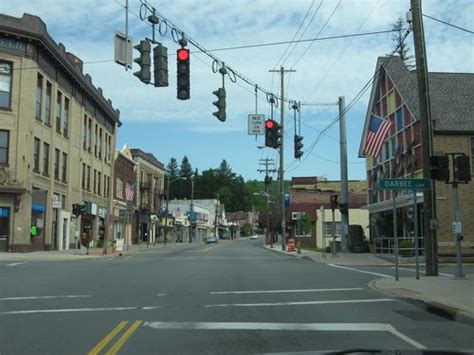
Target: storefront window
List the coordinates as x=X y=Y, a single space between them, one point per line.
x=38 y=215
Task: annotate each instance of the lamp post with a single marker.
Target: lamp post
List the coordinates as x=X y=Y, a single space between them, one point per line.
x=191 y=230
x=167 y=201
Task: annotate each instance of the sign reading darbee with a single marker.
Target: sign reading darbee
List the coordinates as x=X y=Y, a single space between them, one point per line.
x=11 y=44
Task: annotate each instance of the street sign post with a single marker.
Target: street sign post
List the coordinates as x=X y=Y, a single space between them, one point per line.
x=256 y=124
x=405 y=184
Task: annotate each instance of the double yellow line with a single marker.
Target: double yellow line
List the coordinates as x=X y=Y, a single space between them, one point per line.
x=113 y=333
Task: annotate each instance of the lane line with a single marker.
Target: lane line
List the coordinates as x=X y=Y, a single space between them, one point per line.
x=101 y=344
x=329 y=327
x=19 y=263
x=66 y=310
x=422 y=272
x=357 y=270
x=287 y=291
x=161 y=294
x=372 y=300
x=123 y=339
x=42 y=297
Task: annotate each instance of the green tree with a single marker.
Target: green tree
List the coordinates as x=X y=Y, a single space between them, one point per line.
x=171 y=174
x=399 y=27
x=183 y=185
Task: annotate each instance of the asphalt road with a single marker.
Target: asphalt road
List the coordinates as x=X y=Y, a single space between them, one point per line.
x=228 y=298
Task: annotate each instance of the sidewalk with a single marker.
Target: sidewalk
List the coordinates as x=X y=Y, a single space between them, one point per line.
x=446 y=296
x=364 y=259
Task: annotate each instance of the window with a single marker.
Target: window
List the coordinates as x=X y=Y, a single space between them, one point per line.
x=106 y=145
x=110 y=148
x=57 y=155
x=58 y=112
x=95 y=181
x=45 y=159
x=83 y=176
x=327 y=229
x=391 y=102
x=5 y=84
x=100 y=143
x=89 y=135
x=99 y=185
x=399 y=119
x=84 y=134
x=47 y=104
x=472 y=153
x=119 y=188
x=88 y=178
x=95 y=141
x=36 y=154
x=4 y=143
x=66 y=118
x=386 y=149
x=106 y=187
x=64 y=175
x=393 y=144
x=39 y=96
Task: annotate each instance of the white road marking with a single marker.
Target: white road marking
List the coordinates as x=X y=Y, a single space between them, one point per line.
x=357 y=270
x=161 y=294
x=42 y=297
x=422 y=272
x=299 y=303
x=66 y=310
x=287 y=291
x=328 y=327
x=19 y=263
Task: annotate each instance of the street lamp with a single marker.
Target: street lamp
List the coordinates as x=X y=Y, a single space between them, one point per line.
x=167 y=201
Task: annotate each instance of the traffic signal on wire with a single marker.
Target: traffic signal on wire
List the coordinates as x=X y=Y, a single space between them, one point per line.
x=298 y=146
x=272 y=134
x=160 y=65
x=144 y=61
x=183 y=72
x=220 y=104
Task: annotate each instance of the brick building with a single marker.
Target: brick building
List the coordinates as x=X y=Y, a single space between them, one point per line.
x=394 y=97
x=57 y=138
x=311 y=195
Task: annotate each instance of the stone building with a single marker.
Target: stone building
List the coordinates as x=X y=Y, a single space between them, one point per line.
x=57 y=139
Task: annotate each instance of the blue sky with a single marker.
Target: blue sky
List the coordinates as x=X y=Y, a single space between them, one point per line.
x=155 y=121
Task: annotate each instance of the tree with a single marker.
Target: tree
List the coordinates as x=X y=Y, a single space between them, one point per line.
x=171 y=174
x=183 y=186
x=402 y=48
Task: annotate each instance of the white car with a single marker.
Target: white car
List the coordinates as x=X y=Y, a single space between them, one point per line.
x=255 y=236
x=211 y=239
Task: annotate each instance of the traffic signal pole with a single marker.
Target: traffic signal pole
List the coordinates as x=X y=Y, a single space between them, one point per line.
x=281 y=173
x=344 y=202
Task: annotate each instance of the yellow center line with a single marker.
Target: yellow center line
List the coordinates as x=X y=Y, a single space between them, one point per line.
x=123 y=339
x=102 y=344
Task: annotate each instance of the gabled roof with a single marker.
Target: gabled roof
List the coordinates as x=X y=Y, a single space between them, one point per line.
x=451 y=96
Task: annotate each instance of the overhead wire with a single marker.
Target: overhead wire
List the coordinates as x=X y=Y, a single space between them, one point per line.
x=448 y=24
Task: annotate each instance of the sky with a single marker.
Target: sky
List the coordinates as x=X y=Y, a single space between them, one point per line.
x=155 y=121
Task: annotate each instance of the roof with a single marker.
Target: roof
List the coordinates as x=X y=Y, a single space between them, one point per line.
x=149 y=157
x=33 y=28
x=451 y=96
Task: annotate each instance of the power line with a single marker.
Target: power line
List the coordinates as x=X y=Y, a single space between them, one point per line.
x=342 y=52
x=320 y=31
x=296 y=33
x=449 y=24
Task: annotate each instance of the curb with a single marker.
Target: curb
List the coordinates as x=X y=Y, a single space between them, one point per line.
x=296 y=255
x=440 y=309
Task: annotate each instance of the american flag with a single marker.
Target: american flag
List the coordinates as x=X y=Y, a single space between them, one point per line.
x=129 y=191
x=378 y=129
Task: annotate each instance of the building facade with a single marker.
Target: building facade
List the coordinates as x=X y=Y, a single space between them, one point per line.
x=57 y=138
x=124 y=195
x=394 y=97
x=149 y=195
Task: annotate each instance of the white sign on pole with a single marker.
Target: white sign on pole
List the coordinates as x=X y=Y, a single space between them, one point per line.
x=256 y=124
x=57 y=201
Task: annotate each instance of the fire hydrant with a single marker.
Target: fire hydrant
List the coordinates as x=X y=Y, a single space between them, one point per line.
x=298 y=247
x=114 y=246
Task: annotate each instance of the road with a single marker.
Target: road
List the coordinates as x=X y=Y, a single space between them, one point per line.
x=232 y=298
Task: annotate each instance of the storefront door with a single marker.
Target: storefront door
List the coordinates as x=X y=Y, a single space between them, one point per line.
x=4 y=228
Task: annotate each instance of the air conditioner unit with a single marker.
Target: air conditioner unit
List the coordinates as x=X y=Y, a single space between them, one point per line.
x=295 y=216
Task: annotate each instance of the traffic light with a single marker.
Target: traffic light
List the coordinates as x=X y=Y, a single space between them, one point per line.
x=298 y=146
x=439 y=167
x=462 y=168
x=183 y=82
x=333 y=200
x=144 y=61
x=160 y=65
x=268 y=180
x=220 y=104
x=343 y=208
x=272 y=134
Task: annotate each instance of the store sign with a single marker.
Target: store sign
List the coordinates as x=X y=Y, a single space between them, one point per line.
x=102 y=212
x=91 y=208
x=13 y=45
x=4 y=212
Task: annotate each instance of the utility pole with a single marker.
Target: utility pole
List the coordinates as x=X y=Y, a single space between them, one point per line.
x=429 y=196
x=281 y=174
x=191 y=230
x=267 y=163
x=344 y=202
x=215 y=219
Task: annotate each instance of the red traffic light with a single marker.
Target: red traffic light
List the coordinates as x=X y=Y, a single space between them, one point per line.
x=269 y=124
x=183 y=54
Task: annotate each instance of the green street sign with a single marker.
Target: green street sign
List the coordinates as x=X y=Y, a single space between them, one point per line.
x=404 y=184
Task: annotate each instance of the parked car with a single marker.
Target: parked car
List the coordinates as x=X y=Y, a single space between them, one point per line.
x=211 y=239
x=255 y=236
